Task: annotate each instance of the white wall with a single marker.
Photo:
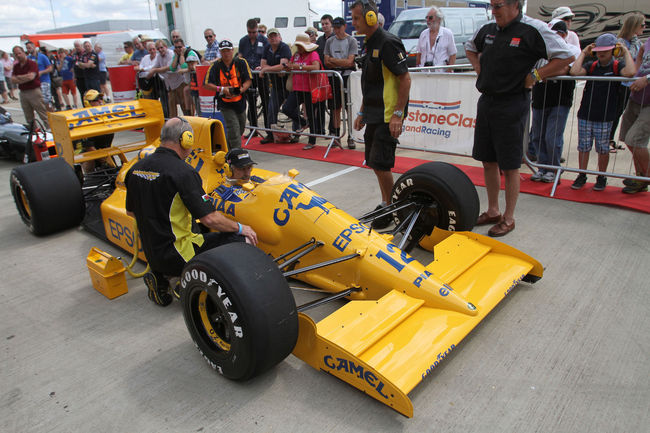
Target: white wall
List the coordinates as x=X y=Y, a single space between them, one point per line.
x=228 y=19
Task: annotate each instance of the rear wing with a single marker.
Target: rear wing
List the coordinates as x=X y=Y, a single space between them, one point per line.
x=70 y=126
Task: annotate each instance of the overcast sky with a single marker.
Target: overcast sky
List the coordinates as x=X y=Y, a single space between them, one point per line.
x=18 y=18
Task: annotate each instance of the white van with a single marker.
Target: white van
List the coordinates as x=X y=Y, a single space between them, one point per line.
x=113 y=43
x=463 y=22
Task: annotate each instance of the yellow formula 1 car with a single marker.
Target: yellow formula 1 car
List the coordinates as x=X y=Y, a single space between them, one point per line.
x=403 y=317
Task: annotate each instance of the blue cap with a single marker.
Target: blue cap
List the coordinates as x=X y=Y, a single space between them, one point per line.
x=604 y=42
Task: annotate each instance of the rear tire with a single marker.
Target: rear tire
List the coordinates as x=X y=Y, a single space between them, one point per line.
x=239 y=310
x=450 y=197
x=48 y=196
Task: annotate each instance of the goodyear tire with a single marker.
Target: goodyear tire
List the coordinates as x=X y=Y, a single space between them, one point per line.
x=450 y=199
x=239 y=310
x=48 y=196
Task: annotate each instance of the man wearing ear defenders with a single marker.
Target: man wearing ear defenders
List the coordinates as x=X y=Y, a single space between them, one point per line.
x=385 y=85
x=165 y=196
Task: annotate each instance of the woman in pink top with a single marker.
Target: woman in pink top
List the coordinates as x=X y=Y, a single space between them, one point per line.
x=305 y=59
x=7 y=63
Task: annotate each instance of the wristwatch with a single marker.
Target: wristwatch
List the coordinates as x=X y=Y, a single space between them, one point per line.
x=398 y=113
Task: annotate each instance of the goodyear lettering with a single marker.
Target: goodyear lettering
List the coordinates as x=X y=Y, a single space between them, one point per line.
x=357 y=371
x=119 y=232
x=403 y=185
x=444 y=290
x=513 y=285
x=439 y=359
x=422 y=277
x=197 y=275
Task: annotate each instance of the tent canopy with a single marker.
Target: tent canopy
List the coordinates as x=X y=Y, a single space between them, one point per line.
x=55 y=44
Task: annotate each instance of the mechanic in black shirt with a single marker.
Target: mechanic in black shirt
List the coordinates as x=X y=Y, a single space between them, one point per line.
x=165 y=195
x=503 y=54
x=385 y=85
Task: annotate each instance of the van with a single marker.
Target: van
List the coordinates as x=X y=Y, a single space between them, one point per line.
x=463 y=22
x=113 y=43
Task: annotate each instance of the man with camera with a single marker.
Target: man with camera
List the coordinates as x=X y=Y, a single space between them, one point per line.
x=230 y=77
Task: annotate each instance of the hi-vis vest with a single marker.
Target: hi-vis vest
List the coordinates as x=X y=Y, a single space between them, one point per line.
x=230 y=79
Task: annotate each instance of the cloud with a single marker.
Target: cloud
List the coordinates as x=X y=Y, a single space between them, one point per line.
x=19 y=18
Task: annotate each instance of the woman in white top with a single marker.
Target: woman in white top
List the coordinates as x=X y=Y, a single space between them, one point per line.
x=436 y=45
x=147 y=85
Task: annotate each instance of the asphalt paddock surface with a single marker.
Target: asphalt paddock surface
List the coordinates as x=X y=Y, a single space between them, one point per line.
x=567 y=354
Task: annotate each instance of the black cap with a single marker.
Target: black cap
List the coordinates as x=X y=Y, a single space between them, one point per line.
x=239 y=158
x=338 y=22
x=225 y=44
x=561 y=27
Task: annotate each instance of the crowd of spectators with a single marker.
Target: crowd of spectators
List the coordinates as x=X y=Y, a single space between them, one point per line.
x=602 y=105
x=257 y=89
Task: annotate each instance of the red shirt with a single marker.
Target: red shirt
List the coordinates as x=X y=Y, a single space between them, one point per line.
x=29 y=66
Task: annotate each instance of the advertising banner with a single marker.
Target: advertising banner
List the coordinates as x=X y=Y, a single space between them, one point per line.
x=441 y=113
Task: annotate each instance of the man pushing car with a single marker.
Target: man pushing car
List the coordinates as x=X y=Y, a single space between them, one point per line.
x=165 y=195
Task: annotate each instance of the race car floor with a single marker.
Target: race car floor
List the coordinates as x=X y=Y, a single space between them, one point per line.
x=567 y=354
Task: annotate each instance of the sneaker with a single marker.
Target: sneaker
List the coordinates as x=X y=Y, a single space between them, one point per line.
x=601 y=183
x=381 y=222
x=308 y=146
x=157 y=290
x=351 y=145
x=635 y=187
x=631 y=182
x=537 y=177
x=549 y=177
x=580 y=181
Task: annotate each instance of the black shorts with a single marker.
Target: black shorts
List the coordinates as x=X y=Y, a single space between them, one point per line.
x=173 y=263
x=380 y=147
x=500 y=128
x=336 y=102
x=102 y=77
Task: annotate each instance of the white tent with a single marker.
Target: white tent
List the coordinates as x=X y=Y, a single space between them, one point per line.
x=8 y=42
x=55 y=44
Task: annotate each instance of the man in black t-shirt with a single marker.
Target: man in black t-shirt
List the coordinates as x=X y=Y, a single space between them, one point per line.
x=503 y=54
x=90 y=64
x=385 y=85
x=79 y=73
x=165 y=196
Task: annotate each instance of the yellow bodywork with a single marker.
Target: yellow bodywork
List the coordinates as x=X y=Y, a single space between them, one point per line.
x=405 y=316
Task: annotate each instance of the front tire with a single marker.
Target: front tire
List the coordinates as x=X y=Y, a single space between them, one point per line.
x=239 y=310
x=449 y=198
x=48 y=196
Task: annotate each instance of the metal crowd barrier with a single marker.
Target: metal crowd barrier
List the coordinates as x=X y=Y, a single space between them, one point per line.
x=278 y=98
x=571 y=145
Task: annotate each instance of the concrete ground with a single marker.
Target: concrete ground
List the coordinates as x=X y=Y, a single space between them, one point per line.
x=567 y=354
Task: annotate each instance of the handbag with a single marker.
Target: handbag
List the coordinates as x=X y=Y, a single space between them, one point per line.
x=321 y=90
x=289 y=85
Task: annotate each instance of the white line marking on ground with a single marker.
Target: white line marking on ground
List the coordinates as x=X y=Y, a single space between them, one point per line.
x=331 y=176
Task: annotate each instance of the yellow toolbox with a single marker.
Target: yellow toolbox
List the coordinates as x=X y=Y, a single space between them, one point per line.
x=106 y=273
